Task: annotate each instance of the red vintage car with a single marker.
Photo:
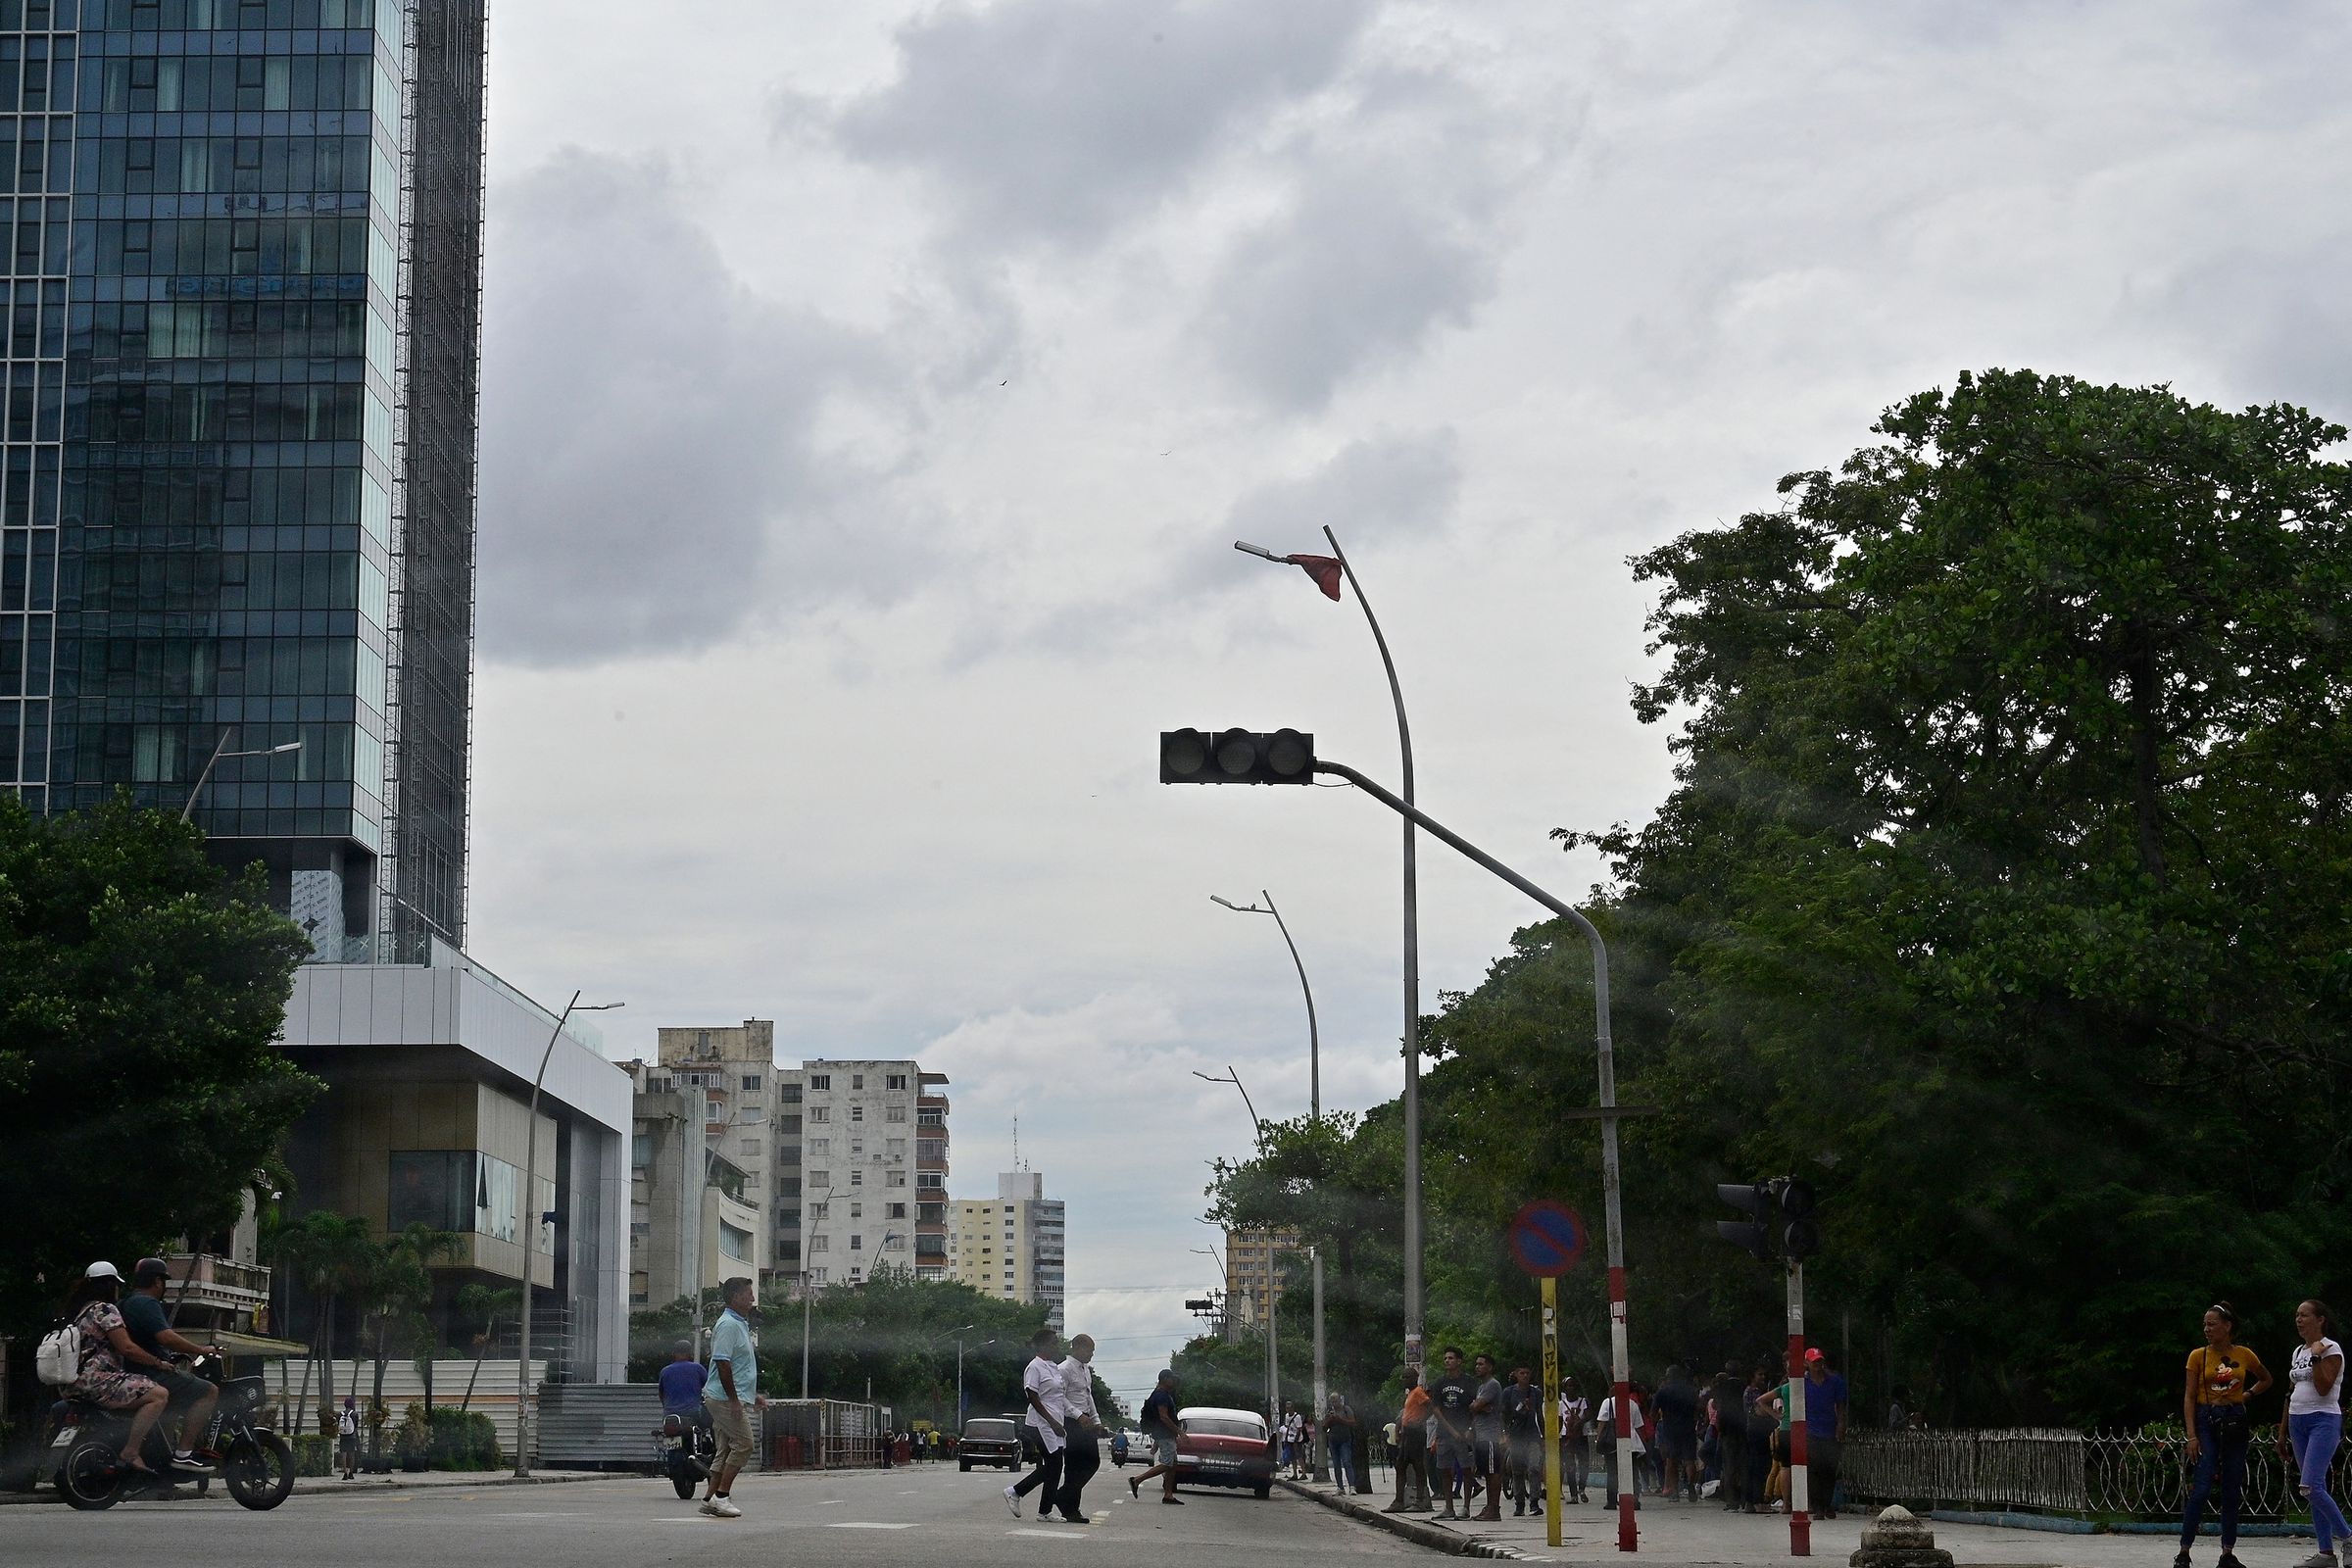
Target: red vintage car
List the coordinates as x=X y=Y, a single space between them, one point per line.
x=1220 y=1448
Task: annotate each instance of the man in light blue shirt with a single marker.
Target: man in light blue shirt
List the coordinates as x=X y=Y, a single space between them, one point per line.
x=730 y=1393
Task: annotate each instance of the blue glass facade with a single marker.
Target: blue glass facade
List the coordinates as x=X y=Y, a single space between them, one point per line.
x=215 y=301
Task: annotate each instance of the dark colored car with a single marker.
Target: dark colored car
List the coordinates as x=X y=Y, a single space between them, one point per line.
x=990 y=1440
x=1219 y=1447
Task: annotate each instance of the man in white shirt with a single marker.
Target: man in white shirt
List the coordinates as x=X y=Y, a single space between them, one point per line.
x=1081 y=1455
x=1609 y=1444
x=1041 y=1387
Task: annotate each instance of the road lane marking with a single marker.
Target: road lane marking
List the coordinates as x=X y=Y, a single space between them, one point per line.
x=865 y=1523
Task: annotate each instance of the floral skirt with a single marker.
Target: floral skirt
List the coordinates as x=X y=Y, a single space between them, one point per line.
x=112 y=1390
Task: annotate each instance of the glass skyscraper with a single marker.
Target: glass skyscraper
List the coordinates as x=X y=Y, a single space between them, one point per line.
x=242 y=241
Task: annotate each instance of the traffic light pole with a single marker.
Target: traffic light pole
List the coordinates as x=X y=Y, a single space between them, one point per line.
x=1800 y=1519
x=1620 y=1368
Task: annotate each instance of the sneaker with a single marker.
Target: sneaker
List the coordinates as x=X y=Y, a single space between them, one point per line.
x=2229 y=1559
x=2181 y=1558
x=2318 y=1560
x=1012 y=1502
x=721 y=1509
x=709 y=1506
x=1073 y=1519
x=1448 y=1513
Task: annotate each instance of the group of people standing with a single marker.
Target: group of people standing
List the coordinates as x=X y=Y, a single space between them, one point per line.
x=1464 y=1436
x=2222 y=1378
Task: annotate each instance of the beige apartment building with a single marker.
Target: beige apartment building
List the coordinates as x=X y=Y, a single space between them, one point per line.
x=1013 y=1246
x=1254 y=1285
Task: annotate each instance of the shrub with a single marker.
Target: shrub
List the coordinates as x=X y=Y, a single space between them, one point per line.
x=463 y=1440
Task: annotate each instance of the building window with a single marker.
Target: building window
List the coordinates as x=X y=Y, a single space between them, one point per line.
x=856 y=1146
x=894 y=1212
x=897 y=1113
x=819 y=1082
x=702 y=1040
x=856 y=1244
x=857 y=1177
x=819 y=1211
x=735 y=1242
x=750 y=1110
x=820 y=1244
x=856 y=1113
x=819 y=1114
x=641 y=1150
x=750 y=1080
x=819 y=1178
x=857 y=1209
x=894 y=1148
x=896 y=1080
x=820 y=1145
x=856 y=1080
x=895 y=1178
x=750 y=1146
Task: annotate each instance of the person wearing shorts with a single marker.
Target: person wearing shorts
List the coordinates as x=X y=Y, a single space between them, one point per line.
x=1486 y=1435
x=1450 y=1398
x=1159 y=1424
x=107 y=1354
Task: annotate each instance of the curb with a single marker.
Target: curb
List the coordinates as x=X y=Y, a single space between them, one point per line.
x=374 y=1487
x=1412 y=1529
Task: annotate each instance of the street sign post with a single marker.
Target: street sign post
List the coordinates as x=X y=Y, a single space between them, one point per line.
x=1549 y=1240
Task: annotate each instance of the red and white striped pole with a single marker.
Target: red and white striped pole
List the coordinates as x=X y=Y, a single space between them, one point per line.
x=1620 y=1374
x=1800 y=1519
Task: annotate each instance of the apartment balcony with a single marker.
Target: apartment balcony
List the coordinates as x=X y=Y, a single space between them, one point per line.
x=218 y=1283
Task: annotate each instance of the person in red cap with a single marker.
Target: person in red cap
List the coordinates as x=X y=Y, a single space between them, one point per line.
x=1825 y=1431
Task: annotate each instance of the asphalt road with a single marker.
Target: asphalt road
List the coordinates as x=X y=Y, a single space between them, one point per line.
x=925 y=1514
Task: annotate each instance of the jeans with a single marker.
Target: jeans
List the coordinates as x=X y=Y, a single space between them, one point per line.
x=2314 y=1437
x=2226 y=1458
x=1342 y=1460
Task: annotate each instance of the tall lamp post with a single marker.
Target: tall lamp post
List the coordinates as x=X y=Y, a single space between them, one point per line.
x=1265 y=1297
x=957 y=1334
x=1315 y=1100
x=525 y=1205
x=1322 y=570
x=222 y=754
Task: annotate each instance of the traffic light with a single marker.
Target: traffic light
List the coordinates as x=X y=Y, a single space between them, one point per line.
x=1781 y=1219
x=1236 y=756
x=1800 y=1233
x=1758 y=1202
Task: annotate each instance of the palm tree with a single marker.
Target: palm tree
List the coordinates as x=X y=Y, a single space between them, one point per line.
x=400 y=1285
x=484 y=1305
x=332 y=1254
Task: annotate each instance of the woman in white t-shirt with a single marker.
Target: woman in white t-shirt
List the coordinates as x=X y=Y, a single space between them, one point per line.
x=2314 y=1424
x=1609 y=1441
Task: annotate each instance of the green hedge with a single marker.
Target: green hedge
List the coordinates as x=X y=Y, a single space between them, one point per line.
x=463 y=1440
x=314 y=1456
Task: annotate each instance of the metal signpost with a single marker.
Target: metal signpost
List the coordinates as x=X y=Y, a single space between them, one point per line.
x=1548 y=1240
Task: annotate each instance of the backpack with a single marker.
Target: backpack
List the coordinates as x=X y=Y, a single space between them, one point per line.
x=58 y=1360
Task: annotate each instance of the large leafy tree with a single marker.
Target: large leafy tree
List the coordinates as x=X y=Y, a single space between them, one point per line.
x=141 y=994
x=2005 y=890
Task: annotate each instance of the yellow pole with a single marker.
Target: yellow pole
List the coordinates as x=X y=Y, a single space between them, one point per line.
x=1555 y=1480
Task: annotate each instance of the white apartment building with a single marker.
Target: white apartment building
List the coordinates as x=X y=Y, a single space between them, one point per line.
x=870 y=1182
x=1011 y=1248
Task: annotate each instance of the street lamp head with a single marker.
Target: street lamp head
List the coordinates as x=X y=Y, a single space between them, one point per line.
x=599 y=1006
x=290 y=746
x=1260 y=551
x=1239 y=909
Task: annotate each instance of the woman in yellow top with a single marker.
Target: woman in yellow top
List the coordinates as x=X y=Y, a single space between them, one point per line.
x=2223 y=1375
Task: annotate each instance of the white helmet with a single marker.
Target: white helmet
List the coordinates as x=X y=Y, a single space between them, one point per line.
x=102 y=1270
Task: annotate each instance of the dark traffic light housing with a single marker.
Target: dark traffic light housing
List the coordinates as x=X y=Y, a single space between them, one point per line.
x=1780 y=1222
x=1236 y=756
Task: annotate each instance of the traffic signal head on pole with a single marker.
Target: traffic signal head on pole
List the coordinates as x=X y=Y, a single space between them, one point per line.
x=1800 y=1232
x=1758 y=1202
x=1236 y=756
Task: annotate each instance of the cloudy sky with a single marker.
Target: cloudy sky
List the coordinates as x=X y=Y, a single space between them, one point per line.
x=872 y=395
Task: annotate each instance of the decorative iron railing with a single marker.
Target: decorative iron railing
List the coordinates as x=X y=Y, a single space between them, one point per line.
x=2114 y=1474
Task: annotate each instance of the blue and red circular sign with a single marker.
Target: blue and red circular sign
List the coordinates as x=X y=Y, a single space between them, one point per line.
x=1548 y=1239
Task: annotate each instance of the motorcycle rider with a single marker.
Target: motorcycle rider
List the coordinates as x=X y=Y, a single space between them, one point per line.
x=682 y=1384
x=151 y=1328
x=107 y=1352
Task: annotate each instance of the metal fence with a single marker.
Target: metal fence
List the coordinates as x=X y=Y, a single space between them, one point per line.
x=821 y=1435
x=2112 y=1474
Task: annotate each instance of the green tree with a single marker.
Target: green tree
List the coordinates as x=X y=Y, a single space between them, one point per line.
x=334 y=1257
x=2005 y=890
x=141 y=994
x=488 y=1305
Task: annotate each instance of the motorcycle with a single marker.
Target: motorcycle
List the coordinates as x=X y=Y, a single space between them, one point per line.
x=257 y=1465
x=684 y=1448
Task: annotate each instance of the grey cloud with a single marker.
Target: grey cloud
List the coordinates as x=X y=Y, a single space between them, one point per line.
x=1043 y=120
x=1368 y=490
x=647 y=476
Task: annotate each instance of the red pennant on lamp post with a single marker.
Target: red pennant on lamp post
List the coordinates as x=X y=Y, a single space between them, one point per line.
x=1323 y=569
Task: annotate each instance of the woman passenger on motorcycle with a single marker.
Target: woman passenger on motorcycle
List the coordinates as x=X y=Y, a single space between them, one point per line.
x=107 y=1354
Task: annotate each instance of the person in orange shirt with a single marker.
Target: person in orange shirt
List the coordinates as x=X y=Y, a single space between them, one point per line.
x=2223 y=1375
x=1412 y=1448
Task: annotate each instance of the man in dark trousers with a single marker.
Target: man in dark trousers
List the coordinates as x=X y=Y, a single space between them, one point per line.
x=1041 y=1387
x=1452 y=1397
x=1081 y=1428
x=1729 y=1392
x=1823 y=1416
x=1162 y=1426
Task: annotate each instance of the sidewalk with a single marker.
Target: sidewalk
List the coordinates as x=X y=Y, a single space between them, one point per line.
x=1673 y=1534
x=368 y=1485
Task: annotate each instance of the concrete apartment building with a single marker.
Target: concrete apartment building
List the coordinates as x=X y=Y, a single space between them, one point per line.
x=874 y=1170
x=843 y=1165
x=692 y=1223
x=1253 y=1284
x=1013 y=1246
